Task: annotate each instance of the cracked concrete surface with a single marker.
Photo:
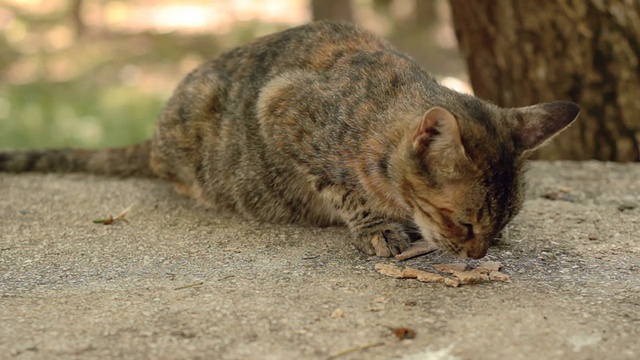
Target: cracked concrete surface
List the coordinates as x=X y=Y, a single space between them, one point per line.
x=178 y=281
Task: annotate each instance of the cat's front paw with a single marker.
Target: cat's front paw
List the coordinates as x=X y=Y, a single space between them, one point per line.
x=382 y=242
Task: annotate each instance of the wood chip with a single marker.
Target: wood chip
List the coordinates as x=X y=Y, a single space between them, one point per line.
x=470 y=277
x=451 y=282
x=411 y=273
x=488 y=267
x=416 y=249
x=428 y=277
x=450 y=268
x=484 y=272
x=421 y=275
x=499 y=276
x=389 y=270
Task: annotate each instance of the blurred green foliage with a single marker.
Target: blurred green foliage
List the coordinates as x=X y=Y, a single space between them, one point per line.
x=68 y=81
x=43 y=114
x=104 y=88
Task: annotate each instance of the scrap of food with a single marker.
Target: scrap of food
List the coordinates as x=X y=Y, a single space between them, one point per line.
x=462 y=273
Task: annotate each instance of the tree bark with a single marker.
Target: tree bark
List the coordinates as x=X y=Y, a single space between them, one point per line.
x=339 y=10
x=588 y=51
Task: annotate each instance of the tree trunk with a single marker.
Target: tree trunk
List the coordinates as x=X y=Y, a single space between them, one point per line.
x=426 y=14
x=332 y=10
x=588 y=51
x=75 y=9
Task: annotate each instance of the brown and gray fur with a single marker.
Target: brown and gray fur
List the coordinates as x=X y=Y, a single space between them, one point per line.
x=325 y=124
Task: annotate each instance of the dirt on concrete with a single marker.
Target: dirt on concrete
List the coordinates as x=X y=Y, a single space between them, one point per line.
x=180 y=282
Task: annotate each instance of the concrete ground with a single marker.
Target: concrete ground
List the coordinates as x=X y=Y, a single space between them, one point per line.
x=179 y=282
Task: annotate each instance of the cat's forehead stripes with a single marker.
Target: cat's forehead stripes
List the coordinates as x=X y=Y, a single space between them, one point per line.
x=502 y=184
x=477 y=111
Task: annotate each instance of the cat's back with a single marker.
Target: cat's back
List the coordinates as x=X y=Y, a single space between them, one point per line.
x=228 y=85
x=208 y=140
x=347 y=54
x=231 y=82
x=315 y=47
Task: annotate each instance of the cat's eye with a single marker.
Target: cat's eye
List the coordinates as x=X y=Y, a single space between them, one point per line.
x=470 y=234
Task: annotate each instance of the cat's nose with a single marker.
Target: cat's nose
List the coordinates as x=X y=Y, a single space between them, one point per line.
x=477 y=254
x=476 y=249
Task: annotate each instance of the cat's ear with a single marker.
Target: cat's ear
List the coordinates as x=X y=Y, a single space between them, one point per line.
x=438 y=136
x=537 y=124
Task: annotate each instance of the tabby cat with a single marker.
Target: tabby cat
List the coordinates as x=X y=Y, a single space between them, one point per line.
x=328 y=124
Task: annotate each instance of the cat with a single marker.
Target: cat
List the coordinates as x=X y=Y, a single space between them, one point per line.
x=327 y=124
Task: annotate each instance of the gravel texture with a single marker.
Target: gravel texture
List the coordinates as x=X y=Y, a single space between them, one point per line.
x=177 y=281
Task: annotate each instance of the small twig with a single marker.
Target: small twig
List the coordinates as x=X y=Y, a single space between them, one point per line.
x=110 y=219
x=123 y=214
x=310 y=257
x=189 y=286
x=354 y=349
x=105 y=221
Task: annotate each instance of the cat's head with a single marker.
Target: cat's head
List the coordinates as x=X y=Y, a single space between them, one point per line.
x=465 y=181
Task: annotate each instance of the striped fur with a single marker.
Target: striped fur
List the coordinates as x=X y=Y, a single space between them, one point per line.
x=325 y=124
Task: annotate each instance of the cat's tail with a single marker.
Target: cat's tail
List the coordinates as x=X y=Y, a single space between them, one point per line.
x=124 y=161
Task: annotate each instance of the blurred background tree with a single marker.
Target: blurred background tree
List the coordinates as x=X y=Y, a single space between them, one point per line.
x=337 y=10
x=97 y=72
x=588 y=51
